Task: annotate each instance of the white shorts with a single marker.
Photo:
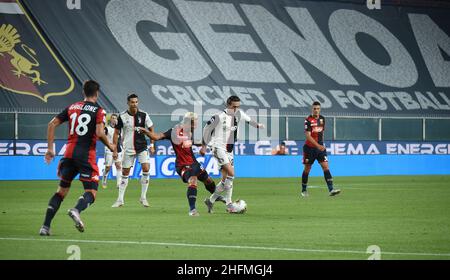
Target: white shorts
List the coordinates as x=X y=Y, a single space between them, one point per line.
x=109 y=158
x=128 y=160
x=223 y=157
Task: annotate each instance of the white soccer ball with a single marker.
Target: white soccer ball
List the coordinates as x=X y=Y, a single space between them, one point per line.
x=240 y=206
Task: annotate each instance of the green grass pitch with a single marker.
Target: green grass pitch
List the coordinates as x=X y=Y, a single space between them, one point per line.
x=407 y=217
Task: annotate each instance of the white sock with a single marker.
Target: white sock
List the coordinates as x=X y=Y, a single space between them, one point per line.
x=144 y=183
x=228 y=195
x=105 y=177
x=122 y=187
x=228 y=186
x=119 y=177
x=214 y=197
x=220 y=187
x=217 y=192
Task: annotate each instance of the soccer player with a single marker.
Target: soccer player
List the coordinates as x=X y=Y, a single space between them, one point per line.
x=86 y=124
x=187 y=166
x=314 y=149
x=109 y=131
x=220 y=134
x=134 y=144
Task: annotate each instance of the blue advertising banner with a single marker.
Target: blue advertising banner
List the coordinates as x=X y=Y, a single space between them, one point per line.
x=163 y=148
x=13 y=167
x=160 y=167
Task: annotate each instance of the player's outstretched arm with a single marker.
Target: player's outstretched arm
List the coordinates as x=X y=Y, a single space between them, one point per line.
x=251 y=122
x=50 y=154
x=256 y=124
x=151 y=134
x=100 y=131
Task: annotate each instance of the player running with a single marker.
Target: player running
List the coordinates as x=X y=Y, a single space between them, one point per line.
x=109 y=131
x=186 y=164
x=86 y=124
x=220 y=134
x=134 y=144
x=314 y=149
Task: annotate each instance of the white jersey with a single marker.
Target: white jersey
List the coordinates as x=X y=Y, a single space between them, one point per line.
x=109 y=131
x=133 y=141
x=221 y=131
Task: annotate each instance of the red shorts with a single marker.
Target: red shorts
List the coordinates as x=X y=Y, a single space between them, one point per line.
x=69 y=168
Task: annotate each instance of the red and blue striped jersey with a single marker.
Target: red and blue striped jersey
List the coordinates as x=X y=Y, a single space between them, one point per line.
x=83 y=118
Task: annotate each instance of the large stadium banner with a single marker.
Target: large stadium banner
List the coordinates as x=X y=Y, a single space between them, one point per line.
x=283 y=55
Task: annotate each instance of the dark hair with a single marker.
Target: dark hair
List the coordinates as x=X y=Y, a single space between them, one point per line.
x=233 y=98
x=114 y=115
x=90 y=88
x=316 y=103
x=131 y=95
x=283 y=143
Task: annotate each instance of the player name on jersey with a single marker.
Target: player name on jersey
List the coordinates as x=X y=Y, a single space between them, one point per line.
x=83 y=107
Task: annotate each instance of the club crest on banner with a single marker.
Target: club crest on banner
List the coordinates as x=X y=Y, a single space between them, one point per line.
x=28 y=65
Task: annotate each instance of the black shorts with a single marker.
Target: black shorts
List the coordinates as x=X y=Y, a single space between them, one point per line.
x=69 y=168
x=311 y=154
x=195 y=169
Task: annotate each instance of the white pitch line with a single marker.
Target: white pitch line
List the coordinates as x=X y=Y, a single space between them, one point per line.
x=221 y=246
